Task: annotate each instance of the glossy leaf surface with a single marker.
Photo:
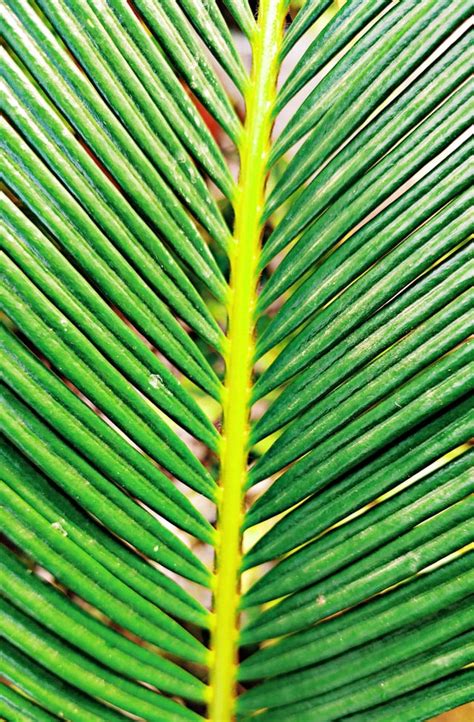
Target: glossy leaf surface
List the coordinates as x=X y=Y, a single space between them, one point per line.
x=236 y=360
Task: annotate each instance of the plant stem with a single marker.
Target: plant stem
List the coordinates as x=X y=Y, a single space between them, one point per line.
x=250 y=196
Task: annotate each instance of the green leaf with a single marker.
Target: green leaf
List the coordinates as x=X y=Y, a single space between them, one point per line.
x=424 y=248
x=50 y=691
x=424 y=668
x=19 y=708
x=400 y=117
x=124 y=225
x=411 y=552
x=385 y=42
x=92 y=118
x=93 y=437
x=419 y=598
x=350 y=491
x=382 y=424
x=351 y=541
x=235 y=360
x=433 y=699
x=386 y=373
x=23 y=632
x=104 y=548
x=176 y=37
x=380 y=655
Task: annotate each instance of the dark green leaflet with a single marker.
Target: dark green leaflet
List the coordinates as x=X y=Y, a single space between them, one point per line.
x=33 y=252
x=101 y=546
x=117 y=460
x=420 y=446
x=378 y=688
x=55 y=611
x=211 y=27
x=351 y=18
x=18 y=708
x=75 y=668
x=99 y=495
x=150 y=128
x=420 y=501
x=40 y=122
x=445 y=125
x=433 y=699
x=82 y=364
x=166 y=212
x=159 y=76
x=411 y=552
x=383 y=654
x=309 y=12
x=434 y=389
x=423 y=346
x=400 y=117
x=67 y=220
x=167 y=22
x=370 y=291
x=49 y=545
x=366 y=245
x=416 y=599
x=51 y=692
x=242 y=14
x=381 y=45
x=309 y=386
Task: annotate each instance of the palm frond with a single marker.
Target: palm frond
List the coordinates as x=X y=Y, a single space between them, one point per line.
x=235 y=472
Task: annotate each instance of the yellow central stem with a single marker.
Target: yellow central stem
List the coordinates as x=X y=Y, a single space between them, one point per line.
x=249 y=203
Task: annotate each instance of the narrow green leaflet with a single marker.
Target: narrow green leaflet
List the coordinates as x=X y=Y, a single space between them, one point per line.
x=420 y=597
x=139 y=575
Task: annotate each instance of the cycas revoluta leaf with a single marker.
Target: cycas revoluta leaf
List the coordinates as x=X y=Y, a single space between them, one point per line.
x=235 y=473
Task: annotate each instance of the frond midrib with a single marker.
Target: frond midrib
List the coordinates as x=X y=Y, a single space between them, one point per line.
x=254 y=150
